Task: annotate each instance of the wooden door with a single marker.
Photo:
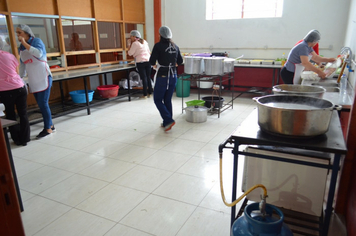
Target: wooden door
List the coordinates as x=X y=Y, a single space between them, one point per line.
x=10 y=217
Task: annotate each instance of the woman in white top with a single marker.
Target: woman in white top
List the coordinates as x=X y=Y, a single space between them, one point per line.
x=141 y=52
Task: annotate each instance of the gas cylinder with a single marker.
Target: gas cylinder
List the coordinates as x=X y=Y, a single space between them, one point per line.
x=253 y=224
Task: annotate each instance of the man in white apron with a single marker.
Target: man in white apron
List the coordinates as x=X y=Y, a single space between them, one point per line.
x=299 y=57
x=34 y=62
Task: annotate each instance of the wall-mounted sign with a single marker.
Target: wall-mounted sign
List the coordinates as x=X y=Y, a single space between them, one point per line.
x=65 y=36
x=82 y=36
x=103 y=36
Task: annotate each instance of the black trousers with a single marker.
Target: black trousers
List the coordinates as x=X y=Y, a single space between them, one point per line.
x=287 y=76
x=20 y=133
x=144 y=69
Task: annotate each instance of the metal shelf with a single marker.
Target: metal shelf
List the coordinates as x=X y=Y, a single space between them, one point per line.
x=216 y=79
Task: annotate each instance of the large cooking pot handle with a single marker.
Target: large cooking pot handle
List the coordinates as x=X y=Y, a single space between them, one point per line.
x=337 y=107
x=255 y=98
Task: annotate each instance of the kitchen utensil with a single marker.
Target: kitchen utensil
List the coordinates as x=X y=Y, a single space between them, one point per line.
x=196 y=114
x=195 y=103
x=296 y=89
x=213 y=101
x=342 y=69
x=193 y=65
x=239 y=57
x=294 y=115
x=229 y=64
x=205 y=84
x=214 y=65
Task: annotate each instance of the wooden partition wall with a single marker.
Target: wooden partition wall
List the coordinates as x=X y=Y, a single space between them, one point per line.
x=116 y=11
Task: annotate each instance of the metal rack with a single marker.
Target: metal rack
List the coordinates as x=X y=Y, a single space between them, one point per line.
x=217 y=79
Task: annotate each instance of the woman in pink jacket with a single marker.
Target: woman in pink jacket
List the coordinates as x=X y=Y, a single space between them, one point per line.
x=141 y=52
x=13 y=93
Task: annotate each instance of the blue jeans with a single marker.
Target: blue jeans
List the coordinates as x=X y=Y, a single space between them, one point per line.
x=42 y=102
x=163 y=97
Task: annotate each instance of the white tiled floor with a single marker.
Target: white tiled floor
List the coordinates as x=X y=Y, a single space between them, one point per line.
x=116 y=172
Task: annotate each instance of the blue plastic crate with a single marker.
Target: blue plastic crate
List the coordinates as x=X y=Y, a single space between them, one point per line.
x=78 y=96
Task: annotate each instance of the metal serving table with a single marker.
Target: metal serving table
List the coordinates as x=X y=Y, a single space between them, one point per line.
x=85 y=73
x=332 y=143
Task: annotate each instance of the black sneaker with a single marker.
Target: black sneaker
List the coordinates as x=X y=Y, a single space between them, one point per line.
x=53 y=129
x=42 y=134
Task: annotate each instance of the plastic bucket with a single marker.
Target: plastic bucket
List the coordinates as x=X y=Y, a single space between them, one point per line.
x=78 y=96
x=185 y=84
x=195 y=103
x=108 y=91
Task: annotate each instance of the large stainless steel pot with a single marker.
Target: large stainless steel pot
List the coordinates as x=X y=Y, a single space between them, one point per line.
x=196 y=114
x=294 y=115
x=214 y=65
x=229 y=64
x=296 y=89
x=193 y=65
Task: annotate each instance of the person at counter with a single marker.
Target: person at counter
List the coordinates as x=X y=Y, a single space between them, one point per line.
x=299 y=59
x=167 y=54
x=13 y=93
x=33 y=60
x=141 y=52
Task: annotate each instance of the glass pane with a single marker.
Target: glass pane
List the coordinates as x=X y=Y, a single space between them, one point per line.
x=74 y=60
x=4 y=34
x=111 y=56
x=128 y=28
x=109 y=35
x=78 y=35
x=43 y=28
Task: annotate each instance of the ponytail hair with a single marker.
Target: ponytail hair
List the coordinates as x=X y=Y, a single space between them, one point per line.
x=164 y=40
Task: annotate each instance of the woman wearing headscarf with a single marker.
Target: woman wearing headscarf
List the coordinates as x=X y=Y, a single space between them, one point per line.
x=13 y=93
x=167 y=55
x=141 y=52
x=33 y=60
x=299 y=57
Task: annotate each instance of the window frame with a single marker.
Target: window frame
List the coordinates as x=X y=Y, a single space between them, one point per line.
x=210 y=11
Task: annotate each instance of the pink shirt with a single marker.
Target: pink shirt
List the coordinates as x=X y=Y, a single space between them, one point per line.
x=9 y=79
x=141 y=52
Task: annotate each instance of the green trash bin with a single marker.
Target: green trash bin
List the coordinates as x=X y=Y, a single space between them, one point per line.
x=185 y=84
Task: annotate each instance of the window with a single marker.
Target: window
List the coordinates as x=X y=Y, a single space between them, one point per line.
x=129 y=27
x=109 y=35
x=78 y=35
x=43 y=28
x=238 y=9
x=4 y=34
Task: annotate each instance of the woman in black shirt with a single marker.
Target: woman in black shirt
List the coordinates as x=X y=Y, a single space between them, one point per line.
x=167 y=56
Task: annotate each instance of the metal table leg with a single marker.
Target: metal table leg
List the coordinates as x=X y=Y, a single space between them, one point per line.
x=329 y=203
x=86 y=95
x=62 y=94
x=234 y=180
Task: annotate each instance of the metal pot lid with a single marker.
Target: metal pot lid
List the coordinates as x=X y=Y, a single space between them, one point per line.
x=196 y=108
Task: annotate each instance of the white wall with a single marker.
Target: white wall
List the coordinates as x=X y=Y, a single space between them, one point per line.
x=149 y=22
x=350 y=40
x=250 y=37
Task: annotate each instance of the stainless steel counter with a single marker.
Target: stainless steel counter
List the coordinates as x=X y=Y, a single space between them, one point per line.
x=345 y=100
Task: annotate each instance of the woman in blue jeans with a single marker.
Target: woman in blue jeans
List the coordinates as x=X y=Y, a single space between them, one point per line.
x=34 y=61
x=167 y=56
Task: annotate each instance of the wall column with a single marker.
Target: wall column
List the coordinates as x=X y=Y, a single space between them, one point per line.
x=157 y=10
